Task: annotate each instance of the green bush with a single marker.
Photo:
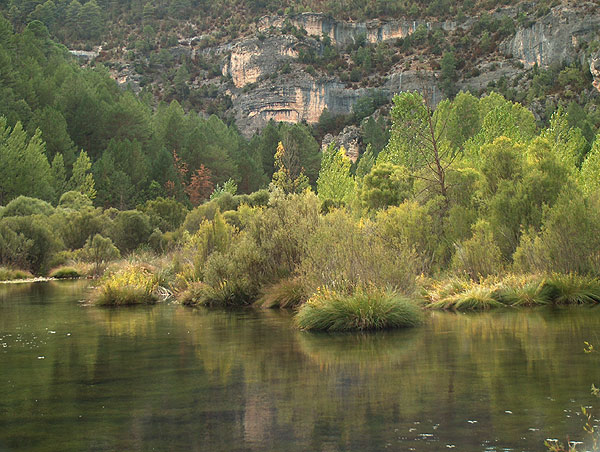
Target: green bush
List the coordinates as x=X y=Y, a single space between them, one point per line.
x=25 y=206
x=363 y=310
x=28 y=242
x=64 y=273
x=130 y=229
x=128 y=286
x=9 y=274
x=75 y=200
x=287 y=293
x=195 y=217
x=479 y=256
x=344 y=254
x=165 y=214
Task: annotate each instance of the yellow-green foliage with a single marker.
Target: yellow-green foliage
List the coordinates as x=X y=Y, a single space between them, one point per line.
x=512 y=290
x=371 y=309
x=64 y=272
x=134 y=284
x=9 y=274
x=196 y=294
x=212 y=236
x=345 y=254
x=287 y=293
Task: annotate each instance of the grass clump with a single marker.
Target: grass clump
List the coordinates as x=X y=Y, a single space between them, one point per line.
x=477 y=297
x=129 y=286
x=9 y=274
x=285 y=294
x=524 y=290
x=513 y=290
x=573 y=289
x=363 y=310
x=226 y=294
x=65 y=273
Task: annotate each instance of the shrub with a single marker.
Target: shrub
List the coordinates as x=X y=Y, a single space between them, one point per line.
x=165 y=214
x=76 y=227
x=130 y=229
x=569 y=240
x=98 y=250
x=24 y=206
x=479 y=256
x=9 y=274
x=364 y=310
x=196 y=294
x=345 y=255
x=28 y=242
x=287 y=293
x=75 y=200
x=128 y=286
x=195 y=217
x=64 y=273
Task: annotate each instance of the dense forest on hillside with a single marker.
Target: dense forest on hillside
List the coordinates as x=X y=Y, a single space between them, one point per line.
x=53 y=110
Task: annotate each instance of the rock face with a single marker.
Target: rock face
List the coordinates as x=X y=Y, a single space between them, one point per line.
x=298 y=97
x=251 y=59
x=350 y=138
x=344 y=33
x=292 y=98
x=595 y=69
x=555 y=38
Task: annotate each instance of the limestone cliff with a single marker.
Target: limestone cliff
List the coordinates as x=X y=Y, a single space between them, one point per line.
x=299 y=97
x=293 y=98
x=556 y=37
x=595 y=69
x=343 y=33
x=253 y=58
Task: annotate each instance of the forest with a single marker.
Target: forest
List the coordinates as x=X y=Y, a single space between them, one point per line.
x=467 y=202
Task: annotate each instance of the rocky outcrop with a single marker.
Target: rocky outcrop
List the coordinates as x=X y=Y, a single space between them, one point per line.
x=293 y=98
x=251 y=59
x=556 y=37
x=298 y=97
x=350 y=138
x=343 y=33
x=595 y=69
x=423 y=81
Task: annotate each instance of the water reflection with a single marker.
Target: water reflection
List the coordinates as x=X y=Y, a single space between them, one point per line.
x=169 y=378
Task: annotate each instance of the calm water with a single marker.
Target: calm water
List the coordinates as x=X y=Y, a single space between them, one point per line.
x=167 y=378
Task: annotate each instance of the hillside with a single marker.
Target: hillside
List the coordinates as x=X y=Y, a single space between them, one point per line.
x=328 y=74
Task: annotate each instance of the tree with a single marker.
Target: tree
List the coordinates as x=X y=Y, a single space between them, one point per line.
x=417 y=142
x=335 y=182
x=589 y=179
x=289 y=176
x=82 y=179
x=386 y=185
x=448 y=74
x=200 y=186
x=90 y=20
x=567 y=142
x=24 y=168
x=100 y=249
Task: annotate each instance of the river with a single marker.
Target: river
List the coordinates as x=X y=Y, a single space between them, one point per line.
x=74 y=377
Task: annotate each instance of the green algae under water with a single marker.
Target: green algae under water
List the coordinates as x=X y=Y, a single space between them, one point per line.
x=81 y=378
